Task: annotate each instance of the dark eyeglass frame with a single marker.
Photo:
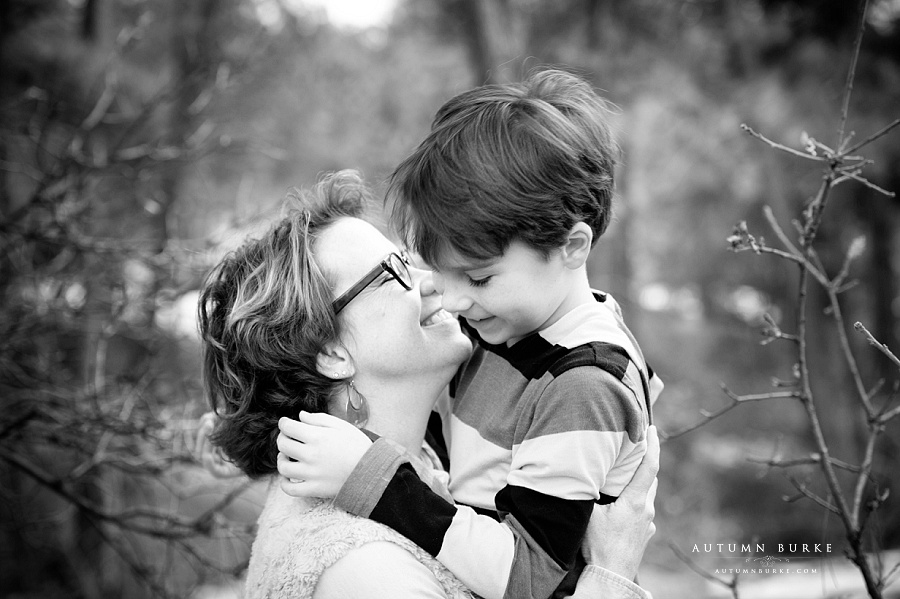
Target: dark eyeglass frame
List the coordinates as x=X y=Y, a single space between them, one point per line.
x=396 y=265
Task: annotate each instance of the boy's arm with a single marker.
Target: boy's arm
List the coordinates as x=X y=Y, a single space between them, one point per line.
x=619 y=533
x=384 y=486
x=556 y=476
x=479 y=550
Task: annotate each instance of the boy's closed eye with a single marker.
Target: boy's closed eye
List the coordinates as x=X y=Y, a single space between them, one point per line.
x=474 y=282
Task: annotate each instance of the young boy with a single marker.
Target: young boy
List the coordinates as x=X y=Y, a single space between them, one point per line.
x=504 y=200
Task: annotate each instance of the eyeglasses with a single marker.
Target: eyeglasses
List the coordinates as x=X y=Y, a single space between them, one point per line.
x=396 y=265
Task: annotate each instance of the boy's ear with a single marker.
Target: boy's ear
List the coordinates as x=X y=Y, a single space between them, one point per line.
x=334 y=361
x=578 y=245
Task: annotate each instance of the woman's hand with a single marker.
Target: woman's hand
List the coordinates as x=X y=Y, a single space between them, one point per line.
x=619 y=532
x=317 y=453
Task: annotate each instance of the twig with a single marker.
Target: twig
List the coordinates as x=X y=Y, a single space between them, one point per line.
x=798 y=256
x=813 y=459
x=176 y=528
x=103 y=102
x=781 y=147
x=851 y=73
x=873 y=341
x=732 y=584
x=865 y=182
x=865 y=474
x=805 y=492
x=870 y=139
x=884 y=418
x=848 y=352
x=735 y=401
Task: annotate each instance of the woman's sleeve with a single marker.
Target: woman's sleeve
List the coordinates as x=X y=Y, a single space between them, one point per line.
x=376 y=570
x=600 y=583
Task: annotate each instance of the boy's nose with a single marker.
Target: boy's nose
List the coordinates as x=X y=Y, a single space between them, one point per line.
x=438 y=280
x=453 y=297
x=426 y=281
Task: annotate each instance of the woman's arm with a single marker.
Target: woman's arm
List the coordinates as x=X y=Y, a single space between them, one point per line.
x=377 y=570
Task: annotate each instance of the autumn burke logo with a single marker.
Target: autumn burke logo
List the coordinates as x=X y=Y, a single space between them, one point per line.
x=767 y=560
x=760 y=558
x=742 y=549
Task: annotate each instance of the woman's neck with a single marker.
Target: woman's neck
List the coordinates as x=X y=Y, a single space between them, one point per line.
x=398 y=409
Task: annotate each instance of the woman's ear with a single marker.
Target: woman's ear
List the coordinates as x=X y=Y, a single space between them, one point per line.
x=578 y=245
x=334 y=361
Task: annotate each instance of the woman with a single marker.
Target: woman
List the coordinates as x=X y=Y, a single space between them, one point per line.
x=324 y=314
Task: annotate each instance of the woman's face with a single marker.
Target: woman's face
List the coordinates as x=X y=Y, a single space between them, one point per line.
x=390 y=331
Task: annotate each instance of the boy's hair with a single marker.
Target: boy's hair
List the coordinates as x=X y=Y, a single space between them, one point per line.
x=265 y=313
x=522 y=161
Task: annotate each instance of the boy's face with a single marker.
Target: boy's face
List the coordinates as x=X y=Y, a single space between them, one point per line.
x=505 y=298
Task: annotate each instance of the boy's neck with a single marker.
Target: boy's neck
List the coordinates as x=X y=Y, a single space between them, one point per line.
x=579 y=294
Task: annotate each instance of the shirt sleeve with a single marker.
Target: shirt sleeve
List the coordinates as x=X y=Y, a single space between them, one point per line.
x=556 y=476
x=600 y=583
x=377 y=570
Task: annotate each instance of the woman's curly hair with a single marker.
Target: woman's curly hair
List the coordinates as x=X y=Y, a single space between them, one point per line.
x=265 y=314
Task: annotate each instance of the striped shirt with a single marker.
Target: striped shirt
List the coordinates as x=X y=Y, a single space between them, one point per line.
x=536 y=433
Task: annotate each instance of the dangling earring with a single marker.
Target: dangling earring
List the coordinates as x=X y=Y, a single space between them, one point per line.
x=357 y=407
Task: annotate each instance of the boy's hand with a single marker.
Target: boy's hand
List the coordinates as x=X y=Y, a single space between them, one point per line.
x=317 y=453
x=619 y=532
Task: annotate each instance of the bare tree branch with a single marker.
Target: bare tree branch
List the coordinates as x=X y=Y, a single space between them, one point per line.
x=881 y=132
x=731 y=585
x=781 y=147
x=851 y=72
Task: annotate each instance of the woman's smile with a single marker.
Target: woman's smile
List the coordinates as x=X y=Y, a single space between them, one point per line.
x=437 y=317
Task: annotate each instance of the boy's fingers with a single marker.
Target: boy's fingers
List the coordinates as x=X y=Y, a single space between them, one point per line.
x=291 y=447
x=289 y=468
x=321 y=419
x=298 y=488
x=299 y=431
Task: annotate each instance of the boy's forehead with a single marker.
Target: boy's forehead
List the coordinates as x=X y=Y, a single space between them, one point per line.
x=451 y=259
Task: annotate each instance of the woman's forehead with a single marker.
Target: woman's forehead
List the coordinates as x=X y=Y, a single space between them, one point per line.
x=351 y=246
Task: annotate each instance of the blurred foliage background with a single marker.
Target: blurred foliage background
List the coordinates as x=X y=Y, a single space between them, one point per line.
x=141 y=139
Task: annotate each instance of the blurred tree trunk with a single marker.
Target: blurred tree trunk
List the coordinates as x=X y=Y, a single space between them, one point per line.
x=592 y=22
x=621 y=266
x=599 y=16
x=6 y=26
x=89 y=20
x=740 y=50
x=495 y=39
x=5 y=30
x=194 y=55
